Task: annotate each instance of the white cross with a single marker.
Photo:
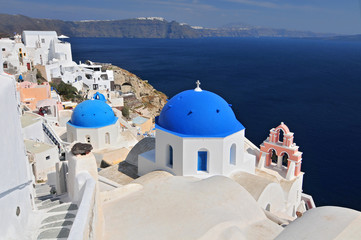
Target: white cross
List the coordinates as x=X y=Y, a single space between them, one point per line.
x=198 y=89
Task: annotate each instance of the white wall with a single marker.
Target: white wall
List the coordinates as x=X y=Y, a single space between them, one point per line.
x=83 y=189
x=163 y=140
x=34 y=131
x=63 y=51
x=293 y=196
x=185 y=155
x=15 y=187
x=32 y=38
x=274 y=196
x=43 y=166
x=97 y=135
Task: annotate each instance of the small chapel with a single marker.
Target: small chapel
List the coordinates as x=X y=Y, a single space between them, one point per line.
x=198 y=134
x=93 y=121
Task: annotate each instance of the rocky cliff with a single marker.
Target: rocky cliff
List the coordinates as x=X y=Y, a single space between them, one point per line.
x=146 y=100
x=127 y=28
x=138 y=28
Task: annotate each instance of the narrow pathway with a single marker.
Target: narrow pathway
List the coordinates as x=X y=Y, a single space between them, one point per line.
x=57 y=216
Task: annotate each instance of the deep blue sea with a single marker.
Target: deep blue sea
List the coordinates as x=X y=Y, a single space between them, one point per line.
x=314 y=86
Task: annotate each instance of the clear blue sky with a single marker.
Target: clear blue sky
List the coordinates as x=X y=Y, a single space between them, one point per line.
x=341 y=16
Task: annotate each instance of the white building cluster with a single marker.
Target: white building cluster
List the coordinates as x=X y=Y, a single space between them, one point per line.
x=47 y=49
x=202 y=179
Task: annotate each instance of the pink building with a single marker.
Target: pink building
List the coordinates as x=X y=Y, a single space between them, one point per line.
x=31 y=93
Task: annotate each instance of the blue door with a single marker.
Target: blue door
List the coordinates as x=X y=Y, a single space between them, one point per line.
x=202 y=161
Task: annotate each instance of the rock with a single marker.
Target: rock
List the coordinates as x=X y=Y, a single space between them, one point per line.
x=147 y=101
x=81 y=148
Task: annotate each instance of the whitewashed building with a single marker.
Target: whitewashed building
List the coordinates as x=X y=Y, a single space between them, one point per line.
x=96 y=79
x=15 y=55
x=93 y=121
x=16 y=181
x=44 y=46
x=42 y=157
x=197 y=134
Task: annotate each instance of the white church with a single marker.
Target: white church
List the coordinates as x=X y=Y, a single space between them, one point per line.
x=93 y=121
x=197 y=134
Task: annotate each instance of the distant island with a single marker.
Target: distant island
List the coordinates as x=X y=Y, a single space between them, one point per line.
x=143 y=27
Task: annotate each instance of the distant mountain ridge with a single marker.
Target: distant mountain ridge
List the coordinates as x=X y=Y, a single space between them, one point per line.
x=139 y=28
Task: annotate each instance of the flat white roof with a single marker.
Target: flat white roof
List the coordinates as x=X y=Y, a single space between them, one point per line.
x=40 y=33
x=37 y=147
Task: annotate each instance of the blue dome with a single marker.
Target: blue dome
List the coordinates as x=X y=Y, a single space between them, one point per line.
x=198 y=114
x=92 y=114
x=99 y=96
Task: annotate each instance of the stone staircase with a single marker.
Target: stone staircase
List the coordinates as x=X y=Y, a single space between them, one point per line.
x=57 y=216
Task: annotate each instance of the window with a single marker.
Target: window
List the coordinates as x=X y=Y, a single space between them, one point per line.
x=47 y=157
x=5 y=65
x=107 y=138
x=43 y=40
x=202 y=160
x=285 y=159
x=274 y=156
x=87 y=139
x=170 y=156
x=95 y=86
x=24 y=54
x=3 y=49
x=20 y=49
x=232 y=157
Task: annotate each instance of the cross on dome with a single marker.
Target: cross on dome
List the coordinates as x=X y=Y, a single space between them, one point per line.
x=198 y=89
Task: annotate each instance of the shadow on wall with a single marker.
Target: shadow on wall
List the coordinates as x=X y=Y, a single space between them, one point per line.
x=19 y=187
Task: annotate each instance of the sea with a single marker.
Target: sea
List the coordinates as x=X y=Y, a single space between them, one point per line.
x=313 y=86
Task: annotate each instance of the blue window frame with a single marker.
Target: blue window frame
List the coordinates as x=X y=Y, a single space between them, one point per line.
x=202 y=160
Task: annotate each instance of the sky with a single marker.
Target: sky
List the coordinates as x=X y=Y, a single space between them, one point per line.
x=326 y=16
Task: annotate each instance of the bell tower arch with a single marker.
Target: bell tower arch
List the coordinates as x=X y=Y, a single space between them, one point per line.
x=281 y=142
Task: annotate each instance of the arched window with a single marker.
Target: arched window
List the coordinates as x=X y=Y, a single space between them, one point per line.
x=232 y=157
x=87 y=138
x=170 y=156
x=202 y=160
x=274 y=156
x=285 y=159
x=107 y=138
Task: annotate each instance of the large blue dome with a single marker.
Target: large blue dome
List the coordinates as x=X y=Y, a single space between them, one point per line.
x=92 y=114
x=198 y=114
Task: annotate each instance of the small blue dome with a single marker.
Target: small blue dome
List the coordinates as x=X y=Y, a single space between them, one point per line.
x=92 y=114
x=198 y=114
x=99 y=96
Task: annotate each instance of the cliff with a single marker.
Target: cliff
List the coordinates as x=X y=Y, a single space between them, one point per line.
x=128 y=28
x=146 y=101
x=139 y=28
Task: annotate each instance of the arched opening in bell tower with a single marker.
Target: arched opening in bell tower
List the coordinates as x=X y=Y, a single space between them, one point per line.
x=285 y=159
x=273 y=156
x=280 y=135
